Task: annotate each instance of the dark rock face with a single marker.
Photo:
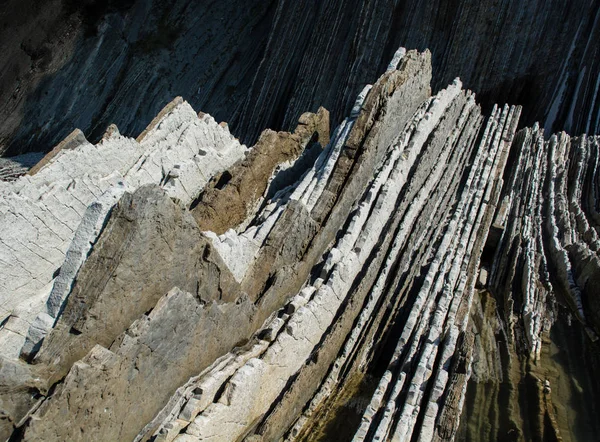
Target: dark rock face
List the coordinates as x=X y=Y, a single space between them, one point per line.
x=420 y=270
x=37 y=40
x=262 y=64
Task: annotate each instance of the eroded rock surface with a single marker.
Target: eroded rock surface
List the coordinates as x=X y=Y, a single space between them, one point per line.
x=52 y=216
x=262 y=63
x=541 y=278
x=415 y=274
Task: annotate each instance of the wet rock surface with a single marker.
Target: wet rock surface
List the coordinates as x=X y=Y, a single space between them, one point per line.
x=546 y=310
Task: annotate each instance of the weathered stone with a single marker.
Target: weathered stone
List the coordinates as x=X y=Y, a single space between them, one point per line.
x=149 y=246
x=46 y=221
x=231 y=196
x=416 y=275
x=101 y=394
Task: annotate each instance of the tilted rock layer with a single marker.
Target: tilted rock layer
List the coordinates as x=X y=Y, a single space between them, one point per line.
x=401 y=277
x=262 y=63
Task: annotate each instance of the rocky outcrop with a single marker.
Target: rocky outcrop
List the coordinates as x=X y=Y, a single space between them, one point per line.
x=230 y=198
x=540 y=274
x=261 y=64
x=414 y=275
x=52 y=216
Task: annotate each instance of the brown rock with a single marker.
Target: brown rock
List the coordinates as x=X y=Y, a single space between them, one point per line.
x=149 y=246
x=73 y=140
x=229 y=197
x=111 y=394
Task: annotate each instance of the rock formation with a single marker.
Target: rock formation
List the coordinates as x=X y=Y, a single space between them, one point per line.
x=542 y=277
x=53 y=215
x=407 y=276
x=262 y=63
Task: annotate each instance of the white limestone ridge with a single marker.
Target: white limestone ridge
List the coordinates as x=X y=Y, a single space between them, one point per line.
x=51 y=219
